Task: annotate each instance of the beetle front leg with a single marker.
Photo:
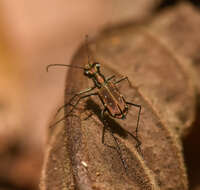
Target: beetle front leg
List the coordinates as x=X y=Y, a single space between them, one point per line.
x=124 y=78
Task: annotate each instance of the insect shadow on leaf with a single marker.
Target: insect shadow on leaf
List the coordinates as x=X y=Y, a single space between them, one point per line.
x=113 y=127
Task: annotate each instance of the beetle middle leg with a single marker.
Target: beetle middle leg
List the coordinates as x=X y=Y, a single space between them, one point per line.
x=74 y=106
x=62 y=119
x=117 y=148
x=75 y=95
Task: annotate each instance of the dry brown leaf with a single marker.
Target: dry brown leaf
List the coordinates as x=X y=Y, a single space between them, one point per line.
x=131 y=11
x=161 y=82
x=179 y=29
x=130 y=52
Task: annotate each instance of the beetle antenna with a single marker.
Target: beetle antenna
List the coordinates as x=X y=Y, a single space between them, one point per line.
x=52 y=65
x=87 y=48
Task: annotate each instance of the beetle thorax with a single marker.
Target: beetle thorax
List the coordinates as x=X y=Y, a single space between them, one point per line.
x=99 y=79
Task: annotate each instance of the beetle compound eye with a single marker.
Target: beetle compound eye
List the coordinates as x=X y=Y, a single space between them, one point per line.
x=97 y=65
x=87 y=72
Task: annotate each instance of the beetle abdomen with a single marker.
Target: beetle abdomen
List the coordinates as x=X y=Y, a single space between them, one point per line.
x=112 y=100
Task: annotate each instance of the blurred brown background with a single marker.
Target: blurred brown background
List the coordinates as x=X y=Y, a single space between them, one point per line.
x=34 y=34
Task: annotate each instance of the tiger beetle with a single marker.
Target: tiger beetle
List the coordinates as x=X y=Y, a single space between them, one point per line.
x=114 y=103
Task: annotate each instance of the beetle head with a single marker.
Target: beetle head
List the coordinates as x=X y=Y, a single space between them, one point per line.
x=90 y=70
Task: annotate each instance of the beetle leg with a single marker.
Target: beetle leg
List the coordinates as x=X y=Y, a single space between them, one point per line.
x=75 y=95
x=117 y=148
x=85 y=96
x=86 y=118
x=104 y=124
x=124 y=78
x=62 y=119
x=74 y=106
x=110 y=78
x=138 y=119
x=119 y=152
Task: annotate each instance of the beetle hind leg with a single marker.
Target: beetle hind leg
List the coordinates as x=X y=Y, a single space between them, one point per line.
x=117 y=148
x=139 y=143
